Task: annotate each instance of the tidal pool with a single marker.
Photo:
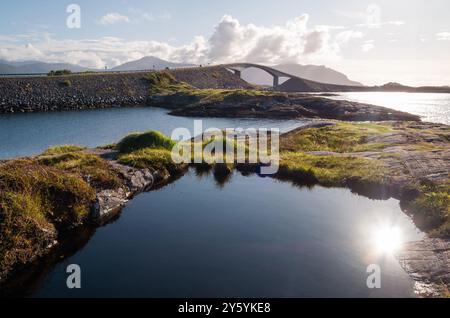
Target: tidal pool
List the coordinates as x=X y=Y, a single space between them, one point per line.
x=245 y=236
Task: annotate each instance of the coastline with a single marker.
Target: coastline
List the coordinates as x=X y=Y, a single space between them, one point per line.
x=146 y=175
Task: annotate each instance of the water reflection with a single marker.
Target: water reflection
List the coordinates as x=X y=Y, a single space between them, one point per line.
x=387 y=239
x=255 y=237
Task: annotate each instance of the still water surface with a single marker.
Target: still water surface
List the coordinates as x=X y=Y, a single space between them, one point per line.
x=247 y=237
x=430 y=107
x=28 y=134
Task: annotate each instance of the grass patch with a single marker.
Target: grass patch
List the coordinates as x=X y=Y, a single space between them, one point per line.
x=89 y=166
x=157 y=159
x=162 y=83
x=107 y=147
x=56 y=150
x=342 y=137
x=34 y=201
x=149 y=139
x=333 y=170
x=431 y=209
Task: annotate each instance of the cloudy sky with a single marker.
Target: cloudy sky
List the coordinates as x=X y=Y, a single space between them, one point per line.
x=372 y=42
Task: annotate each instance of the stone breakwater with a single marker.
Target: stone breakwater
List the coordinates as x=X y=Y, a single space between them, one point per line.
x=88 y=91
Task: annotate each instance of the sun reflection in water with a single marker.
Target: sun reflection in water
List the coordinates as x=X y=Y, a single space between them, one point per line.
x=387 y=239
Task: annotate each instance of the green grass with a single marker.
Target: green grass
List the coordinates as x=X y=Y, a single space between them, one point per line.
x=332 y=170
x=149 y=139
x=162 y=83
x=59 y=73
x=99 y=173
x=431 y=209
x=342 y=137
x=157 y=159
x=34 y=200
x=108 y=146
x=56 y=150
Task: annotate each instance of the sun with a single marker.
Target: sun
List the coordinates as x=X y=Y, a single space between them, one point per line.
x=387 y=239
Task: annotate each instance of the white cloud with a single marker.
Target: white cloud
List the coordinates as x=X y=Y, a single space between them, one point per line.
x=230 y=41
x=371 y=17
x=443 y=36
x=377 y=25
x=294 y=41
x=112 y=18
x=368 y=46
x=346 y=36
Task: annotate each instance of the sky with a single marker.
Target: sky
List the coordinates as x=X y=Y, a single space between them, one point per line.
x=373 y=42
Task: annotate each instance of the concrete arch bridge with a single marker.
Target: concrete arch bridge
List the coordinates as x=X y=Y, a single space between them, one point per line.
x=237 y=68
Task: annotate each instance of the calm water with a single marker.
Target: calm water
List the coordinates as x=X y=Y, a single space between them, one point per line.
x=27 y=134
x=430 y=107
x=250 y=237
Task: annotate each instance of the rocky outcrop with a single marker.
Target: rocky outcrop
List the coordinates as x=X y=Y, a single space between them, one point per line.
x=285 y=106
x=110 y=201
x=427 y=262
x=303 y=85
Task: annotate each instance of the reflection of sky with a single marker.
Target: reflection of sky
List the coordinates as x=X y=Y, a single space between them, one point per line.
x=248 y=237
x=28 y=134
x=431 y=107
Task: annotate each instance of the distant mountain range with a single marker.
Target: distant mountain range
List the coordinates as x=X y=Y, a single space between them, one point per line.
x=149 y=63
x=26 y=67
x=311 y=72
x=321 y=74
x=30 y=67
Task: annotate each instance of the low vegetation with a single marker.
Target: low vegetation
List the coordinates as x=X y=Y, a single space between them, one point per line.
x=94 y=169
x=332 y=170
x=36 y=200
x=149 y=139
x=157 y=159
x=431 y=209
x=163 y=83
x=341 y=137
x=57 y=150
x=59 y=73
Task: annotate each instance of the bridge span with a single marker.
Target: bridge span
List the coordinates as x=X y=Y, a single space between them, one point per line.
x=237 y=68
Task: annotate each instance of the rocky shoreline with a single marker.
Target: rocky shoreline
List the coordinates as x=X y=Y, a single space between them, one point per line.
x=415 y=155
x=428 y=263
x=107 y=204
x=289 y=106
x=204 y=92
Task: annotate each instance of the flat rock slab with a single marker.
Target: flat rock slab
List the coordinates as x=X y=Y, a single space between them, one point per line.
x=110 y=201
x=428 y=262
